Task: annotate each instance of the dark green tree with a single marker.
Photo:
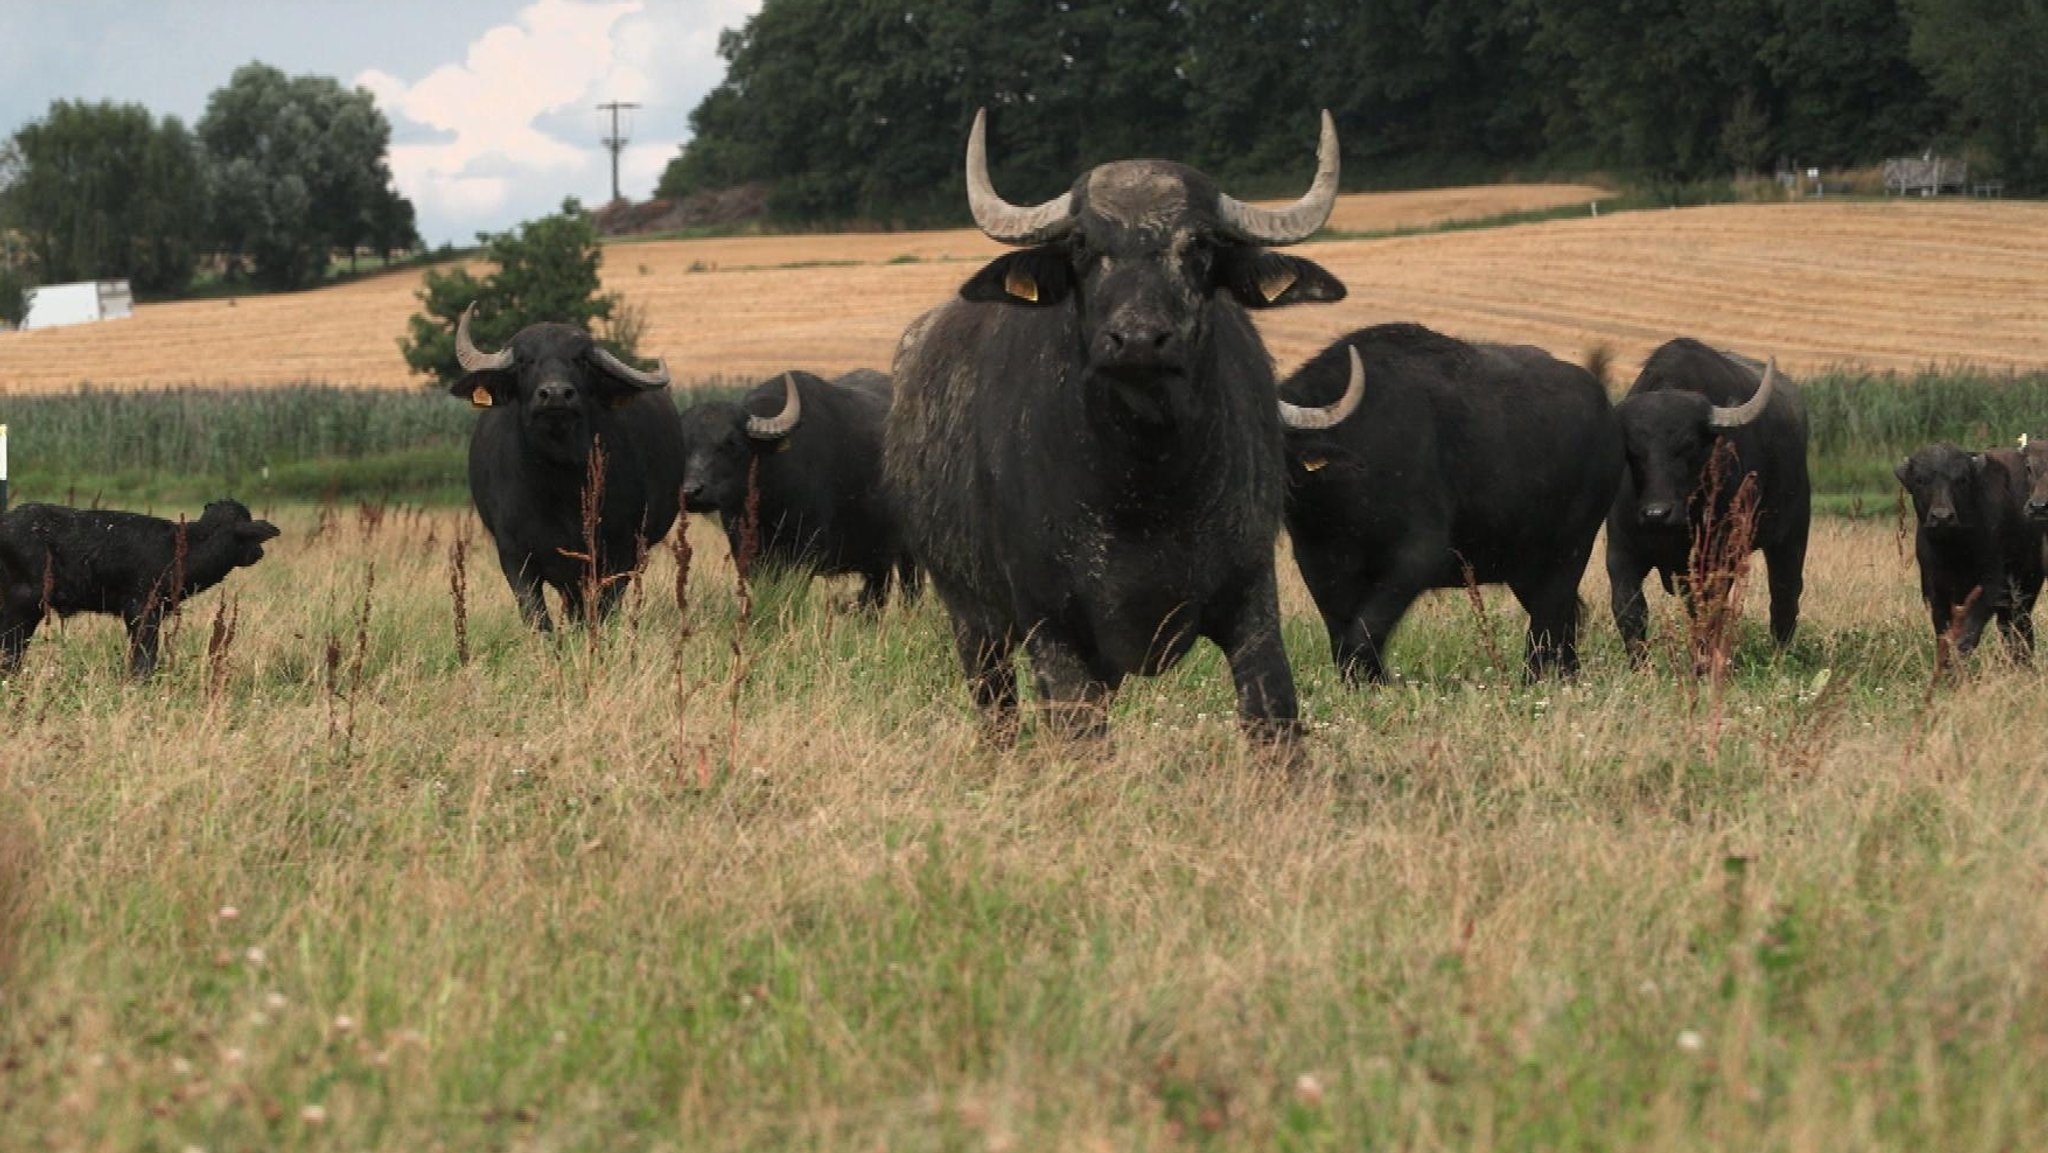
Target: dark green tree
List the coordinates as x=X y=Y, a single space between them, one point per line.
x=295 y=166
x=1990 y=58
x=103 y=190
x=547 y=270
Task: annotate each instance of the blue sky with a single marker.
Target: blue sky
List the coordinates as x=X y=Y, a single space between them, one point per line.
x=492 y=102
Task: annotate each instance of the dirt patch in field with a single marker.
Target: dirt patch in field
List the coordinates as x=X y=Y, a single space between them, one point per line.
x=1898 y=285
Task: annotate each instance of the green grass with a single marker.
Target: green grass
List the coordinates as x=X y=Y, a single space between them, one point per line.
x=705 y=885
x=316 y=442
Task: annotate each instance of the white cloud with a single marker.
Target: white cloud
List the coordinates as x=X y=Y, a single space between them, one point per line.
x=486 y=111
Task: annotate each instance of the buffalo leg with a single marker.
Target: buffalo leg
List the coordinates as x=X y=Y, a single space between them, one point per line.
x=1785 y=566
x=17 y=627
x=874 y=589
x=1625 y=576
x=144 y=626
x=1360 y=649
x=2020 y=632
x=909 y=579
x=1076 y=700
x=1250 y=639
x=987 y=657
x=526 y=589
x=1553 y=608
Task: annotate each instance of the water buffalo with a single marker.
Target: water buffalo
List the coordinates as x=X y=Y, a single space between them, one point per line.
x=1086 y=443
x=815 y=451
x=66 y=560
x=2034 y=454
x=549 y=398
x=1478 y=462
x=1688 y=400
x=1979 y=556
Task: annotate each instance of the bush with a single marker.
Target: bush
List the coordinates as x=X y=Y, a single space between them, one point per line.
x=547 y=271
x=14 y=286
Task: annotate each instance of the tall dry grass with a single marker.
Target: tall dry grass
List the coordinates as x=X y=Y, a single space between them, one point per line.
x=713 y=884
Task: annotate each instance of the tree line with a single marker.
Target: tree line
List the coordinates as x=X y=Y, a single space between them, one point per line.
x=856 y=109
x=277 y=175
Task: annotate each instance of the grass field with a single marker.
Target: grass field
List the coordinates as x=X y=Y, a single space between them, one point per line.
x=704 y=885
x=1895 y=285
x=735 y=873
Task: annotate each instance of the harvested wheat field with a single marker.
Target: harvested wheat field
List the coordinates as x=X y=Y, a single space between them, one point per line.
x=1888 y=285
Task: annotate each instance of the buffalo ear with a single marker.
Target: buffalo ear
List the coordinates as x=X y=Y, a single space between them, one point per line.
x=1977 y=463
x=1261 y=279
x=1905 y=472
x=257 y=531
x=481 y=389
x=1037 y=276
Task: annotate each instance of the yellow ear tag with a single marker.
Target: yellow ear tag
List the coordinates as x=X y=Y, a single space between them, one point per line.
x=481 y=398
x=1277 y=281
x=1315 y=464
x=1018 y=283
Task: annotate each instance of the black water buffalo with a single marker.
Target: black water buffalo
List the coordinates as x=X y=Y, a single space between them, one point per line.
x=1979 y=556
x=815 y=450
x=1478 y=462
x=1086 y=443
x=2034 y=454
x=66 y=560
x=1688 y=400
x=549 y=397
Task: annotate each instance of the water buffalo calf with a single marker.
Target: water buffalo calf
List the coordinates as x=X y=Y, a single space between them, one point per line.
x=1979 y=556
x=814 y=451
x=1477 y=462
x=65 y=560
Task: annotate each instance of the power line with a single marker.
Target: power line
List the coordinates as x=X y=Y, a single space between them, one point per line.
x=615 y=143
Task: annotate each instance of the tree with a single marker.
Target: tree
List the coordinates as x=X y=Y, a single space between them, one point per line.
x=14 y=286
x=1990 y=57
x=103 y=190
x=295 y=169
x=547 y=271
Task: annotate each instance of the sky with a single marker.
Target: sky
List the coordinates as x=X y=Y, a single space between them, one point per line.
x=492 y=103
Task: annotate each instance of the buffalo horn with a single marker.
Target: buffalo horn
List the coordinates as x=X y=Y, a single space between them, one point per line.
x=1298 y=221
x=997 y=217
x=1311 y=419
x=1748 y=410
x=473 y=359
x=626 y=372
x=783 y=423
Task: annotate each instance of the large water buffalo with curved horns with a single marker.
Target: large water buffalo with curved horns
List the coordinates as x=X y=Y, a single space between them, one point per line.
x=551 y=399
x=1086 y=443
x=1688 y=400
x=814 y=451
x=1466 y=462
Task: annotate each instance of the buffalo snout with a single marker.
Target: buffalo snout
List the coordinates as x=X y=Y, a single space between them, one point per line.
x=1139 y=345
x=1661 y=514
x=2037 y=510
x=554 y=396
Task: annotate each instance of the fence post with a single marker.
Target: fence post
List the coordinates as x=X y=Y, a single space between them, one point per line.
x=3 y=468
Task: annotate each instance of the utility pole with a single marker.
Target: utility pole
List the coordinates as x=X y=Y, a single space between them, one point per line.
x=615 y=143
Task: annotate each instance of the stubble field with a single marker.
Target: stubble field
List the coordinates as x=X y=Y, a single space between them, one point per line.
x=706 y=882
x=1890 y=285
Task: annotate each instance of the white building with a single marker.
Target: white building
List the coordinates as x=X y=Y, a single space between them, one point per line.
x=81 y=303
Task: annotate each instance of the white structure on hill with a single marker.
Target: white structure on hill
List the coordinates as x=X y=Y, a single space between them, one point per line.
x=81 y=303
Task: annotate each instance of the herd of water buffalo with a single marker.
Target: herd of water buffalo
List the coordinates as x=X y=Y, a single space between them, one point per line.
x=1087 y=454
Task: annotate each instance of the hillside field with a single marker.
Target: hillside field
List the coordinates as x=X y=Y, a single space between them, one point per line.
x=1896 y=285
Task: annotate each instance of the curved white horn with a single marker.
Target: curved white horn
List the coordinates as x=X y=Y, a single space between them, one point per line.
x=1298 y=221
x=658 y=378
x=783 y=423
x=473 y=359
x=1329 y=416
x=997 y=217
x=1748 y=410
